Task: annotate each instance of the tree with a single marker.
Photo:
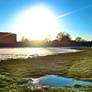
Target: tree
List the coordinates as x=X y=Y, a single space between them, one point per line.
x=60 y=35
x=23 y=38
x=79 y=39
x=25 y=41
x=47 y=38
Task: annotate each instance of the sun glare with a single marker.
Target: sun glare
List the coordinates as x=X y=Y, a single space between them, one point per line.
x=36 y=23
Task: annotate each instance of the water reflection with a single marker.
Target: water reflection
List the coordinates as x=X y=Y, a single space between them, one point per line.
x=56 y=81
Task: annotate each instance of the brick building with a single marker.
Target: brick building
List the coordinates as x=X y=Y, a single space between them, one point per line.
x=7 y=40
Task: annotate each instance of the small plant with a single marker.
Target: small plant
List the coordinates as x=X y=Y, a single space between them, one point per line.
x=77 y=85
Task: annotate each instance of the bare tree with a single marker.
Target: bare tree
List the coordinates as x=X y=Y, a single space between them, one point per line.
x=60 y=35
x=79 y=39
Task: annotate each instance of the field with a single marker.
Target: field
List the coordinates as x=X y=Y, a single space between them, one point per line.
x=75 y=65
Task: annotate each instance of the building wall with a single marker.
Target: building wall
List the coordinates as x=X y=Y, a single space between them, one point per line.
x=8 y=40
x=64 y=42
x=8 y=44
x=7 y=37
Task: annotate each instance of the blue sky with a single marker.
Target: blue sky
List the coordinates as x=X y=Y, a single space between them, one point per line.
x=77 y=23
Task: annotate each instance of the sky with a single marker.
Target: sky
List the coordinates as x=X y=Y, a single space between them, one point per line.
x=73 y=16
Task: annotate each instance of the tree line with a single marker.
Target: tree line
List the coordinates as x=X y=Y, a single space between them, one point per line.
x=46 y=41
x=59 y=36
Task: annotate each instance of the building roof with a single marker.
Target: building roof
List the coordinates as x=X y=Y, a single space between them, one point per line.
x=4 y=34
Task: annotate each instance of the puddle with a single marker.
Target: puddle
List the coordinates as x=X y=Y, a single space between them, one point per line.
x=54 y=81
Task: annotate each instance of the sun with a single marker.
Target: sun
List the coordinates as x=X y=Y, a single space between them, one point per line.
x=36 y=23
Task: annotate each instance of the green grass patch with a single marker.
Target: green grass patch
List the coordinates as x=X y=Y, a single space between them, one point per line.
x=75 y=65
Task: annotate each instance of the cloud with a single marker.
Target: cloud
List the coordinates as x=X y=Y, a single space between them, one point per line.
x=65 y=14
x=72 y=12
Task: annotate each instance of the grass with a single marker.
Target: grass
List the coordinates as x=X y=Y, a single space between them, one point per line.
x=75 y=65
x=45 y=89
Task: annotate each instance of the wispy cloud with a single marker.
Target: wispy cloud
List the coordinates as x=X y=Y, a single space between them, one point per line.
x=72 y=12
x=65 y=14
